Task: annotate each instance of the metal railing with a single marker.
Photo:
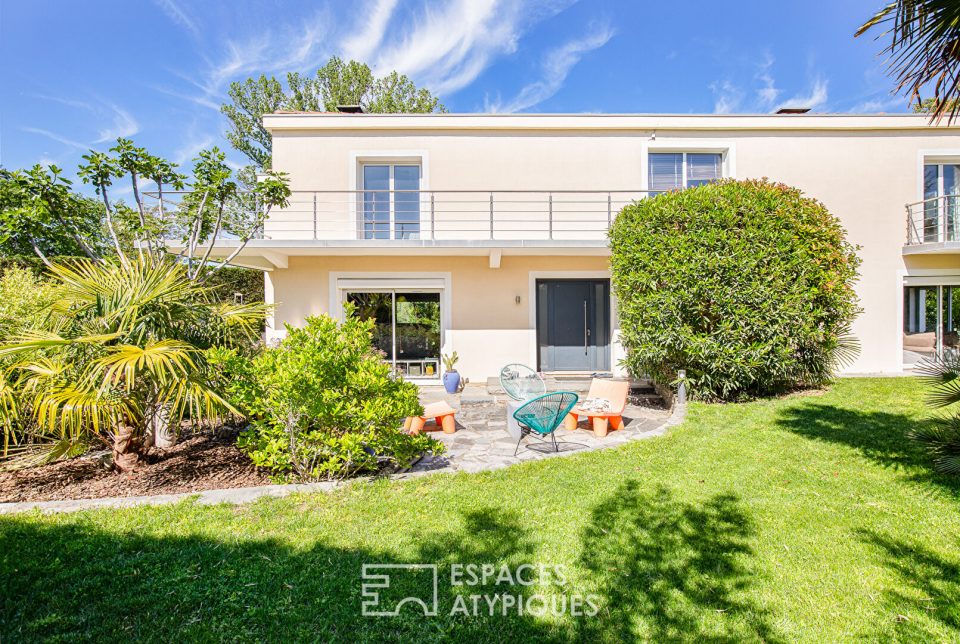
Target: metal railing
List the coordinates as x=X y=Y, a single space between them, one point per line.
x=934 y=220
x=448 y=215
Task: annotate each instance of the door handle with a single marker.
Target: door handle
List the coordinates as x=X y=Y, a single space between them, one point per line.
x=585 y=330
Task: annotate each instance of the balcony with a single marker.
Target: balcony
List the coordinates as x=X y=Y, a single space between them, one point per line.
x=933 y=226
x=425 y=222
x=438 y=216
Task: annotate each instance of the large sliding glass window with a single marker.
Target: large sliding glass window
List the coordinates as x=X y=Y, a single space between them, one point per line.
x=391 y=201
x=407 y=328
x=675 y=170
x=931 y=322
x=941 y=187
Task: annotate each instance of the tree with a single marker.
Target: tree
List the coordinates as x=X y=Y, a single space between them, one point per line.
x=218 y=202
x=745 y=285
x=924 y=50
x=120 y=358
x=39 y=214
x=336 y=83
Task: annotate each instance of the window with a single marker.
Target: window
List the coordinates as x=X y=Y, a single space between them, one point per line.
x=941 y=187
x=391 y=201
x=407 y=328
x=931 y=322
x=675 y=170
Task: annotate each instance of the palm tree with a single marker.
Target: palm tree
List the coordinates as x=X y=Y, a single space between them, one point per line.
x=941 y=436
x=924 y=50
x=120 y=358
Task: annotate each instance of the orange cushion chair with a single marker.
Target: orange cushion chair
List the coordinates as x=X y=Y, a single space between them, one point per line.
x=614 y=391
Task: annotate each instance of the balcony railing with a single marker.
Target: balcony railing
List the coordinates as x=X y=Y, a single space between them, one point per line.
x=934 y=220
x=448 y=215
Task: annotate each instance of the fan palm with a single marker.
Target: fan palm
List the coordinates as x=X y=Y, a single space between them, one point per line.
x=941 y=437
x=120 y=357
x=924 y=50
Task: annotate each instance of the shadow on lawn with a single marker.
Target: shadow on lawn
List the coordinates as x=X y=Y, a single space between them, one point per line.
x=928 y=592
x=671 y=570
x=880 y=436
x=660 y=569
x=74 y=581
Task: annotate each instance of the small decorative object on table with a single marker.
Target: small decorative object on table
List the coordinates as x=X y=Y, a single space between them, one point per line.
x=451 y=379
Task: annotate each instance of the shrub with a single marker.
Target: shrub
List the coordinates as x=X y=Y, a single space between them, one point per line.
x=24 y=300
x=119 y=358
x=747 y=285
x=323 y=404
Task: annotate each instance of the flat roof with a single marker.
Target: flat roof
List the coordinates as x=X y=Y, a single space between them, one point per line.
x=643 y=122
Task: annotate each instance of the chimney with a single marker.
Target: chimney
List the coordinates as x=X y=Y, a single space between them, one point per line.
x=793 y=110
x=350 y=109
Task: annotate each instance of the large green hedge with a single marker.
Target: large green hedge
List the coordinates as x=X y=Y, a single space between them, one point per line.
x=747 y=285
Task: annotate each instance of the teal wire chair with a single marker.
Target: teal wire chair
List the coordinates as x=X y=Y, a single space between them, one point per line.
x=521 y=382
x=543 y=415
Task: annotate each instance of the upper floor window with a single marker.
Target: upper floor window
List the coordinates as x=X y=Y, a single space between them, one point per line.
x=391 y=201
x=941 y=185
x=675 y=170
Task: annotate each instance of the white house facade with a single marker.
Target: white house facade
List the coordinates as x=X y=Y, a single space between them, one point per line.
x=486 y=234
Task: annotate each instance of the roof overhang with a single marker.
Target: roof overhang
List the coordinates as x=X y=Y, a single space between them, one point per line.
x=282 y=122
x=268 y=255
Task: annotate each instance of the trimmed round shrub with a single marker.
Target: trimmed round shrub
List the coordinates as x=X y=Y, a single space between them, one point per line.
x=746 y=285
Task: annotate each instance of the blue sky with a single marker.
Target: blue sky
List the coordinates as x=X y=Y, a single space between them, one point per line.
x=78 y=74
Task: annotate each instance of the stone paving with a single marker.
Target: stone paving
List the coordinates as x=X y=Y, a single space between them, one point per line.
x=481 y=441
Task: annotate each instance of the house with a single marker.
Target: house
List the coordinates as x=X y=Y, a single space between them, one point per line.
x=486 y=233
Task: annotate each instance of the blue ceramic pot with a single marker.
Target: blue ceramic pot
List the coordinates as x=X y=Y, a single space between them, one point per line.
x=451 y=381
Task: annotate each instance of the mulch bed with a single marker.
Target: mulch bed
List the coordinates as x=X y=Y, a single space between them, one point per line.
x=199 y=462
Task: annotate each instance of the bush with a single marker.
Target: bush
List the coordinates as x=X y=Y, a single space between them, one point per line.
x=24 y=300
x=323 y=404
x=747 y=285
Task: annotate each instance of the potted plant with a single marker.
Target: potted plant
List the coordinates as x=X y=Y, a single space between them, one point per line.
x=451 y=379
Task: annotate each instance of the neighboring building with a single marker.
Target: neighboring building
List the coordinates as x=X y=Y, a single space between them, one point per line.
x=486 y=234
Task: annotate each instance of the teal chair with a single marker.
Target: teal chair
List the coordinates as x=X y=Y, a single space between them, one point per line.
x=542 y=416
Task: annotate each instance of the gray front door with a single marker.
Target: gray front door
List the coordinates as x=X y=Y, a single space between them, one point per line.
x=573 y=325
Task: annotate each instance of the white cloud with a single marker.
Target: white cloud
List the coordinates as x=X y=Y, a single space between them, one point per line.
x=188 y=152
x=178 y=16
x=727 y=97
x=56 y=137
x=556 y=66
x=293 y=49
x=815 y=98
x=768 y=92
x=362 y=45
x=891 y=103
x=446 y=49
x=123 y=126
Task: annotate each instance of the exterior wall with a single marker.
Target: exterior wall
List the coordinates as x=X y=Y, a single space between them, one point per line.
x=864 y=176
x=486 y=326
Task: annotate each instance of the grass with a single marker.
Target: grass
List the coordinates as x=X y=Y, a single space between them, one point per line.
x=805 y=518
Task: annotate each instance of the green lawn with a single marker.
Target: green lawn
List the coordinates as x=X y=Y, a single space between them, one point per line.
x=805 y=518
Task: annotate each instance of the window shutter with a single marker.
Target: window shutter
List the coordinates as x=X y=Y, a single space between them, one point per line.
x=666 y=171
x=702 y=168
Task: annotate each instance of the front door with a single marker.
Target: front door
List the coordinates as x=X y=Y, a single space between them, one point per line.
x=573 y=325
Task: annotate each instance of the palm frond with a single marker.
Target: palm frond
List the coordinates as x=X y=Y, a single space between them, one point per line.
x=75 y=411
x=941 y=374
x=941 y=438
x=35 y=340
x=924 y=49
x=162 y=360
x=9 y=412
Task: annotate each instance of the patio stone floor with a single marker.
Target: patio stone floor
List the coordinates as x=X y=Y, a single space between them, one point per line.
x=481 y=441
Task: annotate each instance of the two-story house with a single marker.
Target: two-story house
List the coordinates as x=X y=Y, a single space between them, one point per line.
x=486 y=234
